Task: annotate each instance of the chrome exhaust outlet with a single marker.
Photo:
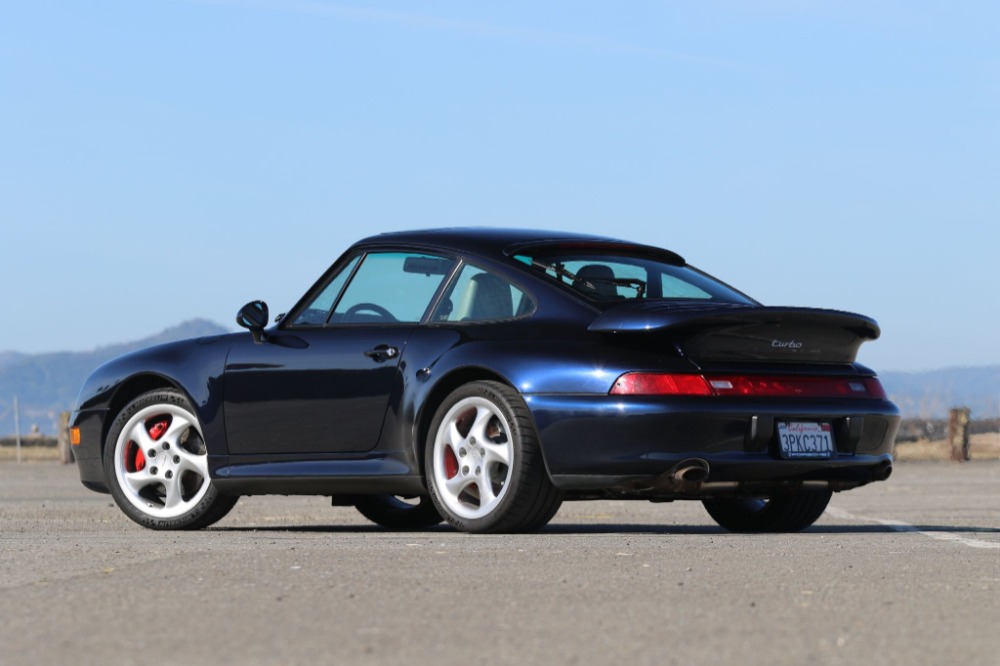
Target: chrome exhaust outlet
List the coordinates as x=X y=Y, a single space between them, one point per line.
x=692 y=470
x=686 y=476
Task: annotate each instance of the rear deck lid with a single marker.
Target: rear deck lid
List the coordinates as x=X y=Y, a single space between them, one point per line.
x=735 y=332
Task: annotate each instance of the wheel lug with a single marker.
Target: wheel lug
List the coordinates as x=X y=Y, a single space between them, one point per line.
x=177 y=459
x=465 y=469
x=166 y=446
x=479 y=471
x=472 y=440
x=169 y=474
x=153 y=471
x=151 y=453
x=482 y=452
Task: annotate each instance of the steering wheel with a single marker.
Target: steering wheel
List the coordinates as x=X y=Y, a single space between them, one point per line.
x=377 y=309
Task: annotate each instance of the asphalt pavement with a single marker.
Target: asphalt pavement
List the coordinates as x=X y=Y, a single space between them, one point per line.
x=901 y=572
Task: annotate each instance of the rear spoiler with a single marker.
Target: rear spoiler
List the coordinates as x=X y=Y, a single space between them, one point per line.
x=745 y=332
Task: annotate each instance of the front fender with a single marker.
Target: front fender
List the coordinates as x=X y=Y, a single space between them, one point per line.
x=194 y=367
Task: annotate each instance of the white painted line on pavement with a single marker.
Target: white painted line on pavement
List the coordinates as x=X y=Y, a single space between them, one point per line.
x=899 y=526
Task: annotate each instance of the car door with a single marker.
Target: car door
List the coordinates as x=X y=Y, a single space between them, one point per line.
x=322 y=383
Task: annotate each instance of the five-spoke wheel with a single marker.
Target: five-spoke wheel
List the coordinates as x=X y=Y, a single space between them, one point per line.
x=157 y=461
x=484 y=465
x=474 y=452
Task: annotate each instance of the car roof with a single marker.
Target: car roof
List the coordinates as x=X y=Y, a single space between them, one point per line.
x=489 y=241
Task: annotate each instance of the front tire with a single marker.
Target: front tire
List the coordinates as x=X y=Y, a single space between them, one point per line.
x=156 y=463
x=781 y=513
x=399 y=513
x=484 y=464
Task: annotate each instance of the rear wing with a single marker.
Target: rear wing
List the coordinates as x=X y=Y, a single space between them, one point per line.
x=728 y=332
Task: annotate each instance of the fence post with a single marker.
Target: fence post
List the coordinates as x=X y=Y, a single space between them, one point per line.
x=17 y=428
x=62 y=439
x=958 y=433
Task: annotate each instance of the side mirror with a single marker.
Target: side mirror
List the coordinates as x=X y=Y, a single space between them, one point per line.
x=254 y=316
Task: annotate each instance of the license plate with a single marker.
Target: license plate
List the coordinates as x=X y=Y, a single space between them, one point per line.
x=805 y=440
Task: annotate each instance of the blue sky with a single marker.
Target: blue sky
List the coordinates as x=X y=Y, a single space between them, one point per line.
x=164 y=160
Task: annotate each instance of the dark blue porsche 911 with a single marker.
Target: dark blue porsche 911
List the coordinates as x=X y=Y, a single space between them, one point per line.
x=483 y=377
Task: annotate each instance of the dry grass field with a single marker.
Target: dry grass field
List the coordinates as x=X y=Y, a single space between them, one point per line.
x=985 y=446
x=29 y=453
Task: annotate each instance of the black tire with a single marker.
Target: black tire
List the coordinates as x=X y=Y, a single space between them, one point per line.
x=782 y=513
x=398 y=514
x=501 y=484
x=171 y=488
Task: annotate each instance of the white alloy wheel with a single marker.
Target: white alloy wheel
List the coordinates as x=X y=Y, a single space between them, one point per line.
x=160 y=461
x=473 y=455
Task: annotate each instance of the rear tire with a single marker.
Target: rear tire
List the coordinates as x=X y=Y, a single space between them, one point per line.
x=782 y=513
x=484 y=464
x=397 y=513
x=156 y=464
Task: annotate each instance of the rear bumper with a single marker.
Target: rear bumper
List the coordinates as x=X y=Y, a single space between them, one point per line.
x=593 y=442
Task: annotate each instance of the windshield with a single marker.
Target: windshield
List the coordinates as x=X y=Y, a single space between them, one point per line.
x=612 y=277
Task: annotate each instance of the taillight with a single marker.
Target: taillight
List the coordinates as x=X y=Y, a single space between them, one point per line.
x=790 y=387
x=757 y=386
x=875 y=389
x=655 y=383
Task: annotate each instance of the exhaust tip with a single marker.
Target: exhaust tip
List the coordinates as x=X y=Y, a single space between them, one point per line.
x=693 y=470
x=883 y=471
x=694 y=474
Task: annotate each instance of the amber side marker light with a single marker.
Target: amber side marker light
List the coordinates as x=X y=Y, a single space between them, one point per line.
x=74 y=436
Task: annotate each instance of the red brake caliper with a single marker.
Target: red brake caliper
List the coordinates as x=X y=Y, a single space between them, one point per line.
x=138 y=459
x=137 y=455
x=158 y=429
x=450 y=463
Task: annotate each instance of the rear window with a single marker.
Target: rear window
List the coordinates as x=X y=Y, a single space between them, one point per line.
x=613 y=277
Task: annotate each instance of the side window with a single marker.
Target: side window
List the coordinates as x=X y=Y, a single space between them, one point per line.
x=627 y=274
x=316 y=313
x=605 y=280
x=391 y=287
x=674 y=287
x=477 y=295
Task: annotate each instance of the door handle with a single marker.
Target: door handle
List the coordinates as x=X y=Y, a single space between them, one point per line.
x=382 y=352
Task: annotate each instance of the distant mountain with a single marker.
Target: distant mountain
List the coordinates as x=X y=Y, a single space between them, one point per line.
x=46 y=384
x=8 y=358
x=932 y=394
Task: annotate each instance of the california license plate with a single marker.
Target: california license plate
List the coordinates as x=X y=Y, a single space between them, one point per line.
x=799 y=439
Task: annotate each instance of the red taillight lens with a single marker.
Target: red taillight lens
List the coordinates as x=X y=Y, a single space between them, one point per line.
x=875 y=389
x=792 y=387
x=653 y=383
x=758 y=386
